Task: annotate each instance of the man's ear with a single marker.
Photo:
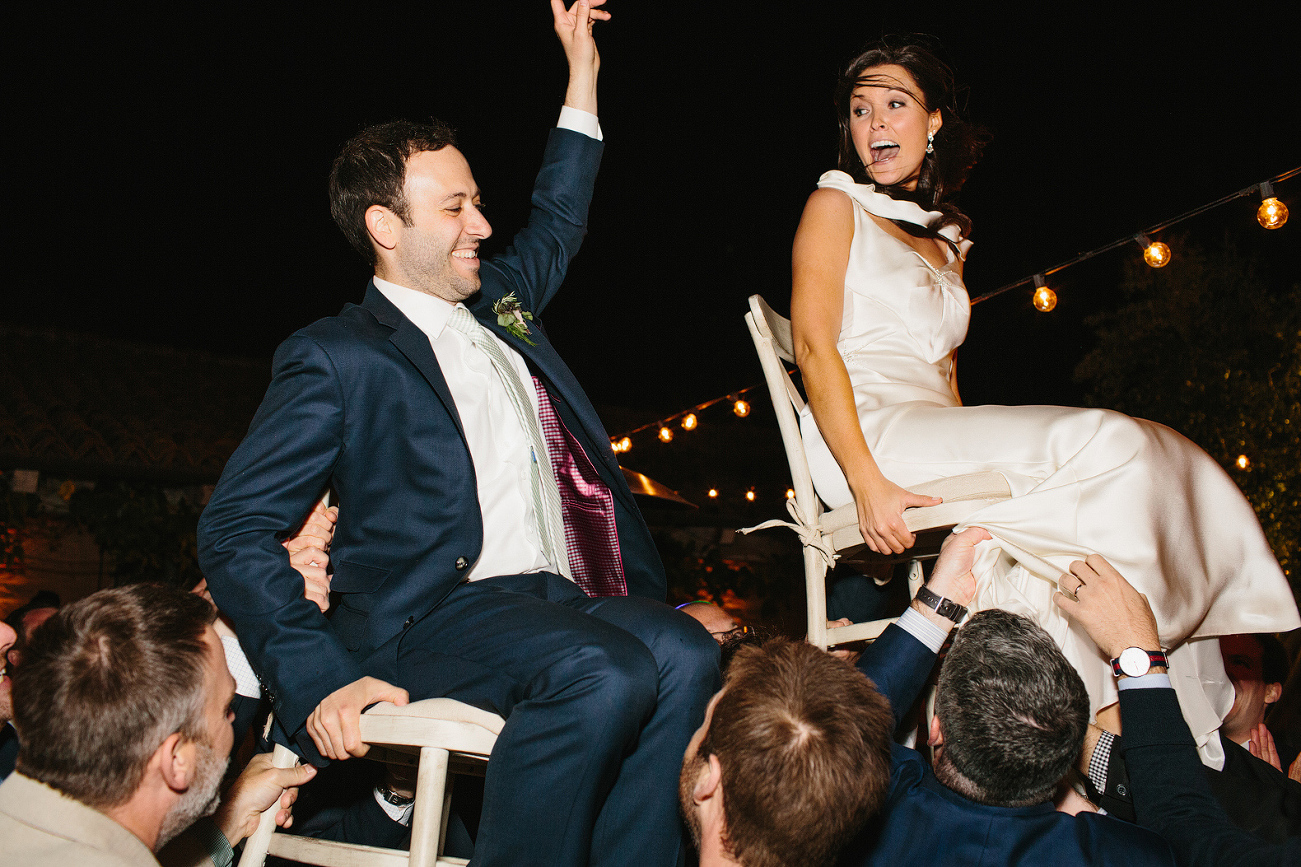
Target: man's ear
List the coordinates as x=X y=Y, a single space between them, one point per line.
x=383 y=225
x=1273 y=692
x=936 y=738
x=176 y=758
x=710 y=781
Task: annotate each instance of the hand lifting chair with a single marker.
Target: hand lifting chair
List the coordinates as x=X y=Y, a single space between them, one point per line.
x=445 y=734
x=829 y=536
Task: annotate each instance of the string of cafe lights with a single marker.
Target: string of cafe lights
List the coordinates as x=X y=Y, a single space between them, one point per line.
x=1271 y=214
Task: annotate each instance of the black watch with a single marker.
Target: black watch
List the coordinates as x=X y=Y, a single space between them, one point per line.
x=393 y=797
x=946 y=608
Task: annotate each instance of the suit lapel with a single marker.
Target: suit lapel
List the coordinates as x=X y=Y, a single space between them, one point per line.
x=414 y=344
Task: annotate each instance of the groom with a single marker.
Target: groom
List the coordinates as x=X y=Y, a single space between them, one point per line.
x=487 y=547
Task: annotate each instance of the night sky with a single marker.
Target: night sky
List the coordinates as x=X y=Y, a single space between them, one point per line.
x=166 y=170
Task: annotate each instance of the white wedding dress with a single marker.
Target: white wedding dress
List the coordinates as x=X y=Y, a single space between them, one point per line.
x=1083 y=481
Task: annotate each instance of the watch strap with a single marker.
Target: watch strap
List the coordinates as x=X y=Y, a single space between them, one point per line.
x=946 y=608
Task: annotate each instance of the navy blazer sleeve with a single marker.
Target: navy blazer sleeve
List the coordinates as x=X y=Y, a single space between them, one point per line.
x=1171 y=795
x=898 y=664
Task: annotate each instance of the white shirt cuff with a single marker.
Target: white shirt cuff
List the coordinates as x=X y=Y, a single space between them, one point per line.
x=580 y=121
x=246 y=682
x=1155 y=680
x=916 y=625
x=401 y=815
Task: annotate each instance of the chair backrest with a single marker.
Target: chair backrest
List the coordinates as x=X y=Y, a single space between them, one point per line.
x=772 y=340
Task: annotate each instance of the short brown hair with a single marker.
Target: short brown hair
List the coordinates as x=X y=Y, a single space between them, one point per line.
x=804 y=744
x=371 y=170
x=104 y=682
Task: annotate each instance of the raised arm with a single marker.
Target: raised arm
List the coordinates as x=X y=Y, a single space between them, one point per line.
x=574 y=27
x=818 y=262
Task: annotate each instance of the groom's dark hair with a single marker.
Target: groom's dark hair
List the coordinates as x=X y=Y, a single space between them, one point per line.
x=371 y=170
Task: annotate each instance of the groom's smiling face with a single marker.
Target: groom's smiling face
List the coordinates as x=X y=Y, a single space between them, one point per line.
x=438 y=250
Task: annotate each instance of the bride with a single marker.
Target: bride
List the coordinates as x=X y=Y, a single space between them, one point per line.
x=878 y=310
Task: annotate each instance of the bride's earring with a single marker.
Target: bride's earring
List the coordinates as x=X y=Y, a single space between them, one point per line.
x=930 y=142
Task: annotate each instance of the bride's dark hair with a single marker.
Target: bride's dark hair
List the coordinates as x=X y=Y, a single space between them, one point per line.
x=957 y=143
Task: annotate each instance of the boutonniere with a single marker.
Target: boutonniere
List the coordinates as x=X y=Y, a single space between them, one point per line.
x=511 y=316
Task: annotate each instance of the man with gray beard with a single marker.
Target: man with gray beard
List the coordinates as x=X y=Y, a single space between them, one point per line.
x=122 y=708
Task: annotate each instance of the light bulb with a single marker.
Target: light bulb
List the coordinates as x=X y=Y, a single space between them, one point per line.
x=625 y=444
x=689 y=421
x=790 y=493
x=1157 y=254
x=713 y=493
x=1045 y=299
x=666 y=434
x=1243 y=462
x=741 y=408
x=1272 y=213
x=749 y=495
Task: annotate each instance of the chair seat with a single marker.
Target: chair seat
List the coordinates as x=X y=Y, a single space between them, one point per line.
x=963 y=496
x=434 y=722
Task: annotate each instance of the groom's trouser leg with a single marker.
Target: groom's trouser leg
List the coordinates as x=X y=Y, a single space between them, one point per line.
x=588 y=760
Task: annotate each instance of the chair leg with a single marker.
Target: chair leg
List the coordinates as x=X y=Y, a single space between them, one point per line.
x=426 y=824
x=255 y=848
x=815 y=590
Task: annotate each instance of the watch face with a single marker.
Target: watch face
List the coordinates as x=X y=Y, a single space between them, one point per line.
x=1134 y=661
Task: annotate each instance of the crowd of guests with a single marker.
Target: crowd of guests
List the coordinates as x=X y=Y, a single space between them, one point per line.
x=490 y=550
x=122 y=703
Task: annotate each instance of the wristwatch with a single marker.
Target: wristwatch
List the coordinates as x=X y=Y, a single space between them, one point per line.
x=393 y=797
x=1136 y=662
x=946 y=608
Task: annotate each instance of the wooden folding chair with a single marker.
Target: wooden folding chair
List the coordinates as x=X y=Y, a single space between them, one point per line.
x=446 y=735
x=831 y=536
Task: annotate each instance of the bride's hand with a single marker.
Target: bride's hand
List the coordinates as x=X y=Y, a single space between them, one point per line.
x=880 y=515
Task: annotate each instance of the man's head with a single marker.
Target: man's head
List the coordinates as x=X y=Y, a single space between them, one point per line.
x=124 y=690
x=1010 y=712
x=793 y=757
x=1257 y=666
x=7 y=638
x=406 y=200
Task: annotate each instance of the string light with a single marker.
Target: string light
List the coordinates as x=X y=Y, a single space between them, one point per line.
x=1155 y=253
x=790 y=493
x=689 y=421
x=1243 y=462
x=666 y=434
x=713 y=493
x=741 y=407
x=1045 y=299
x=621 y=445
x=1272 y=213
x=749 y=495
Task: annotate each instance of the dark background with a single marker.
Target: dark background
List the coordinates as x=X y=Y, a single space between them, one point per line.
x=167 y=164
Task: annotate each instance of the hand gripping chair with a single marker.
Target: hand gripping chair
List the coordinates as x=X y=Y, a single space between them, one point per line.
x=445 y=734
x=829 y=536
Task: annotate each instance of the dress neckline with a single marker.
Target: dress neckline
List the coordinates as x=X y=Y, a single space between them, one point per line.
x=883 y=206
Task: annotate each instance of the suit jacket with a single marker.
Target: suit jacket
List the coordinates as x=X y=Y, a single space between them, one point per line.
x=924 y=822
x=39 y=827
x=1255 y=795
x=1172 y=795
x=358 y=402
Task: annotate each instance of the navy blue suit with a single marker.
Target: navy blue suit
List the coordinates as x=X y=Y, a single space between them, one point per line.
x=359 y=403
x=1171 y=792
x=926 y=823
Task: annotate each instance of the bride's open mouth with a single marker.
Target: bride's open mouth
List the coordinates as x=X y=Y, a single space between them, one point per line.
x=884 y=151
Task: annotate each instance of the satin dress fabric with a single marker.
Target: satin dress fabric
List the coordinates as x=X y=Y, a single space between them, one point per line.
x=1083 y=481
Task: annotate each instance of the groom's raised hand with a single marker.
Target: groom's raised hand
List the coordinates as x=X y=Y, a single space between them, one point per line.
x=574 y=27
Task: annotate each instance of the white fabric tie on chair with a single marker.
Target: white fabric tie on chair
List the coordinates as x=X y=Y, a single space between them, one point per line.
x=546 y=494
x=810 y=532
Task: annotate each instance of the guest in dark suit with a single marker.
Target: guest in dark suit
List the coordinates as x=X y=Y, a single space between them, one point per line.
x=473 y=560
x=1010 y=714
x=1171 y=794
